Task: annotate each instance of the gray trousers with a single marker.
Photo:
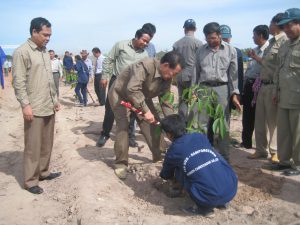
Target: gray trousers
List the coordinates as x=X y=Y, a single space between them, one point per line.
x=265 y=121
x=38 y=138
x=288 y=136
x=56 y=77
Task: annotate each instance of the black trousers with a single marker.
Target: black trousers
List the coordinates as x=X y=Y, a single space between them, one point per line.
x=100 y=92
x=109 y=117
x=248 y=114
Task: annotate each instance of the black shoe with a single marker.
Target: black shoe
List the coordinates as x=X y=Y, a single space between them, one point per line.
x=133 y=143
x=35 y=190
x=51 y=176
x=278 y=167
x=205 y=212
x=291 y=172
x=102 y=140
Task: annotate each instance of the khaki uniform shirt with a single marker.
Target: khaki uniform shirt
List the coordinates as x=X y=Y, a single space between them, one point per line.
x=288 y=75
x=217 y=66
x=33 y=79
x=253 y=68
x=138 y=84
x=269 y=60
x=187 y=47
x=121 y=55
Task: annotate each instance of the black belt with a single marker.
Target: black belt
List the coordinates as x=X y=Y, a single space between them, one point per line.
x=97 y=74
x=267 y=82
x=214 y=83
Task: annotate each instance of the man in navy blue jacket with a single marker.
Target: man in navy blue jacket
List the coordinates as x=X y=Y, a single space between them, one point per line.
x=201 y=171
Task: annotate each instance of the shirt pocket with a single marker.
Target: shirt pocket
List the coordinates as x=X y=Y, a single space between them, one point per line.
x=295 y=97
x=295 y=59
x=223 y=63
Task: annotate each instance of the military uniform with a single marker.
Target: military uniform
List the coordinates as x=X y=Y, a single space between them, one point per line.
x=187 y=47
x=138 y=84
x=266 y=111
x=288 y=93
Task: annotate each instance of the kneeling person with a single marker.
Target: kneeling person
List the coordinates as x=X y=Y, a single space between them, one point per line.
x=138 y=84
x=201 y=171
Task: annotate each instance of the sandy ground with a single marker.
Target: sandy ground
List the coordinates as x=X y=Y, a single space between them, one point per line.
x=89 y=193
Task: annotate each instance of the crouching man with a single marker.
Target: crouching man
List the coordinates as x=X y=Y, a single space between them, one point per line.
x=200 y=170
x=138 y=84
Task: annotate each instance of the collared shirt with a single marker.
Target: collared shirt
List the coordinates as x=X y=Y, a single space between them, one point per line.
x=99 y=64
x=121 y=55
x=288 y=73
x=269 y=61
x=217 y=65
x=33 y=79
x=253 y=68
x=56 y=66
x=187 y=47
x=89 y=65
x=68 y=62
x=151 y=50
x=138 y=84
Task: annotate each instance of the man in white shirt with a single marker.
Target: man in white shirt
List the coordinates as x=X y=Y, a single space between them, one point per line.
x=56 y=70
x=100 y=91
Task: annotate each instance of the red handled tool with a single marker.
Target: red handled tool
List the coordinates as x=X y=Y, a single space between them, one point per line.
x=137 y=111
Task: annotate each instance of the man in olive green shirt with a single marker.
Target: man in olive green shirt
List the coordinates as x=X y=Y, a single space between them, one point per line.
x=121 y=55
x=288 y=95
x=266 y=111
x=35 y=90
x=138 y=84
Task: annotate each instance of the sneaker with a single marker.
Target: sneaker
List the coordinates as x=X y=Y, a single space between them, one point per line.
x=257 y=155
x=196 y=210
x=102 y=140
x=274 y=158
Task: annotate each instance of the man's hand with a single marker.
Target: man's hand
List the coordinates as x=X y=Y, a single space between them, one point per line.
x=235 y=100
x=149 y=117
x=27 y=113
x=57 y=107
x=103 y=83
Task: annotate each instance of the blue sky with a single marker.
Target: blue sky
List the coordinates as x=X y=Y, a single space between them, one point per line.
x=84 y=24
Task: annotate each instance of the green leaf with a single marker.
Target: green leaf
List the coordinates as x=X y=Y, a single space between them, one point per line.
x=216 y=125
x=165 y=97
x=185 y=93
x=192 y=105
x=200 y=105
x=171 y=98
x=219 y=111
x=222 y=128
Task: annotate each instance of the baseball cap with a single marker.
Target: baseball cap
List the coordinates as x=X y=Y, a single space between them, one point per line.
x=190 y=23
x=289 y=15
x=225 y=31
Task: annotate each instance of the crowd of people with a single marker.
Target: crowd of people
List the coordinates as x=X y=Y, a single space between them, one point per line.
x=269 y=91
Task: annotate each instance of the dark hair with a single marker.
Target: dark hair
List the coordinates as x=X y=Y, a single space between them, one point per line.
x=277 y=18
x=262 y=30
x=210 y=28
x=139 y=33
x=174 y=125
x=150 y=28
x=77 y=57
x=96 y=50
x=51 y=51
x=173 y=58
x=38 y=23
